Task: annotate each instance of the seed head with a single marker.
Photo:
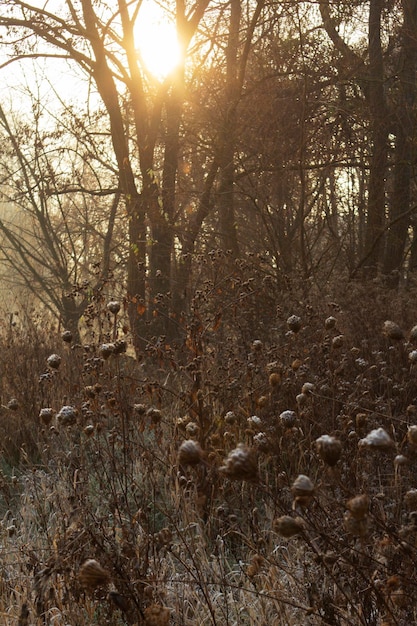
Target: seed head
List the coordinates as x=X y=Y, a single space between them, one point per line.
x=412 y=435
x=330 y=322
x=92 y=575
x=66 y=336
x=302 y=490
x=377 y=438
x=46 y=415
x=13 y=404
x=294 y=323
x=106 y=349
x=413 y=335
x=241 y=464
x=54 y=361
x=287 y=526
x=391 y=330
x=67 y=415
x=113 y=307
x=288 y=418
x=358 y=506
x=329 y=449
x=190 y=453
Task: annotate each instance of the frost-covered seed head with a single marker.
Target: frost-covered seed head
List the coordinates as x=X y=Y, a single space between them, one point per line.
x=302 y=486
x=13 y=404
x=307 y=388
x=106 y=349
x=113 y=307
x=67 y=336
x=330 y=322
x=46 y=415
x=67 y=415
x=241 y=464
x=329 y=449
x=391 y=330
x=294 y=323
x=54 y=361
x=190 y=453
x=288 y=418
x=377 y=438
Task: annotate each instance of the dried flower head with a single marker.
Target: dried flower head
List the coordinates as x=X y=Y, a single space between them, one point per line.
x=412 y=356
x=288 y=418
x=190 y=453
x=329 y=449
x=54 y=361
x=287 y=526
x=302 y=490
x=93 y=575
x=413 y=335
x=410 y=499
x=13 y=404
x=67 y=415
x=294 y=323
x=156 y=615
x=230 y=417
x=330 y=322
x=106 y=349
x=46 y=415
x=257 y=345
x=391 y=330
x=338 y=342
x=412 y=435
x=241 y=464
x=120 y=346
x=358 y=506
x=154 y=414
x=192 y=429
x=66 y=336
x=113 y=306
x=307 y=388
x=377 y=438
x=275 y=379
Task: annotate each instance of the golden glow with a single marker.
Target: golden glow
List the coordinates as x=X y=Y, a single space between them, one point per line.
x=156 y=39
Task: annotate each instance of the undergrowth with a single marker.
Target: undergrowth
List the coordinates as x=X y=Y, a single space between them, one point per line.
x=261 y=470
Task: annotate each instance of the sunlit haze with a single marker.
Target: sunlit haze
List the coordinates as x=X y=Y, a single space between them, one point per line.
x=156 y=39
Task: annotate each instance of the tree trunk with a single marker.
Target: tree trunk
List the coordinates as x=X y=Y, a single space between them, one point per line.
x=228 y=230
x=379 y=137
x=405 y=119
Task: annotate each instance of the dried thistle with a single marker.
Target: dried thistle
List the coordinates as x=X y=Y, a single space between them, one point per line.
x=66 y=336
x=302 y=490
x=329 y=449
x=93 y=575
x=294 y=323
x=330 y=322
x=54 y=361
x=106 y=349
x=67 y=415
x=287 y=526
x=377 y=438
x=190 y=453
x=241 y=464
x=358 y=506
x=288 y=418
x=46 y=415
x=113 y=307
x=391 y=330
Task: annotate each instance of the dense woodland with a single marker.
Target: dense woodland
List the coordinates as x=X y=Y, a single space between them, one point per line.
x=208 y=347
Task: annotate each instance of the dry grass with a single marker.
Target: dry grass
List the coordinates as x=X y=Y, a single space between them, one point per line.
x=253 y=521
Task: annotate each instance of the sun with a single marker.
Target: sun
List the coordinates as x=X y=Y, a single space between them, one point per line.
x=156 y=39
